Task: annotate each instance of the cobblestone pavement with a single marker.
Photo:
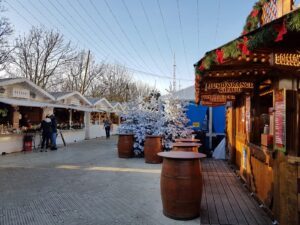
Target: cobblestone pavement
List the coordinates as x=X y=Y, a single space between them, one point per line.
x=84 y=183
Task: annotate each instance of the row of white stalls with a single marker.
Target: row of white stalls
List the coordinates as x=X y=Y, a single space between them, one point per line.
x=23 y=105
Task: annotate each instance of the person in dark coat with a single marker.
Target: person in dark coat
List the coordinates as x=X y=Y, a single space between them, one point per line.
x=46 y=133
x=54 y=132
x=107 y=126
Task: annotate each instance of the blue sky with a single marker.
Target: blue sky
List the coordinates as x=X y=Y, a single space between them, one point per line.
x=118 y=31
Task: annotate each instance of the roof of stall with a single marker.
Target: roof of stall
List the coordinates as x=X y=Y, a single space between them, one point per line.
x=117 y=106
x=64 y=95
x=11 y=81
x=250 y=57
x=99 y=101
x=30 y=103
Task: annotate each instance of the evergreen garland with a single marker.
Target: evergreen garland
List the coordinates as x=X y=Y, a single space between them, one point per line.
x=231 y=50
x=209 y=60
x=293 y=22
x=265 y=36
x=253 y=20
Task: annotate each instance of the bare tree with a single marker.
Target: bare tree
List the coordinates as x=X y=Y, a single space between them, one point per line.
x=83 y=73
x=42 y=57
x=116 y=84
x=5 y=32
x=113 y=84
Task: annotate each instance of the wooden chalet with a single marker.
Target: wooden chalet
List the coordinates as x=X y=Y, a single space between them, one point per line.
x=257 y=76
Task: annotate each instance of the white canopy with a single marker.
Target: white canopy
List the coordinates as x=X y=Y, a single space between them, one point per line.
x=29 y=103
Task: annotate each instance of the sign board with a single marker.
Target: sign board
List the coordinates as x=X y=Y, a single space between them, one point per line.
x=20 y=93
x=217 y=98
x=212 y=104
x=280 y=120
x=229 y=86
x=287 y=59
x=74 y=101
x=196 y=124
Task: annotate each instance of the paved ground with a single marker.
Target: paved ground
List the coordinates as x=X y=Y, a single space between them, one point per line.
x=87 y=184
x=82 y=184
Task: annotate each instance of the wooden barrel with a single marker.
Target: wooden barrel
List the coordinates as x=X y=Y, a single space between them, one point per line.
x=185 y=147
x=152 y=146
x=181 y=184
x=125 y=145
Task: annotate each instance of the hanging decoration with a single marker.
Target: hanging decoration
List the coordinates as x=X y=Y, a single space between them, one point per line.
x=220 y=54
x=281 y=29
x=243 y=46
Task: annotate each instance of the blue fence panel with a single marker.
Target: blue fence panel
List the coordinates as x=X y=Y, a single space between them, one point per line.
x=219 y=119
x=196 y=115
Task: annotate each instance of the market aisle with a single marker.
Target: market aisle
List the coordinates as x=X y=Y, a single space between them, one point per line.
x=86 y=183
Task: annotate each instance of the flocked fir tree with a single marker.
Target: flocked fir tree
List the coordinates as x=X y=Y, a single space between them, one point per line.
x=173 y=123
x=152 y=116
x=141 y=119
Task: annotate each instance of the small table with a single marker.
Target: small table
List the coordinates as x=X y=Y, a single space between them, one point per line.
x=181 y=184
x=186 y=147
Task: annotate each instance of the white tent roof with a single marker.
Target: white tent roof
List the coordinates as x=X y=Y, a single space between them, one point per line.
x=187 y=94
x=29 y=103
x=10 y=81
x=64 y=95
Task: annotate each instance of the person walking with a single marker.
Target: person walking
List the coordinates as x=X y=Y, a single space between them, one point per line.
x=107 y=125
x=46 y=133
x=54 y=132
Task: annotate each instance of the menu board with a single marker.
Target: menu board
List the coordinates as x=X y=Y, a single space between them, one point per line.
x=280 y=120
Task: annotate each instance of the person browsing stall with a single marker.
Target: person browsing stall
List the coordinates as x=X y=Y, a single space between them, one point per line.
x=54 y=132
x=46 y=127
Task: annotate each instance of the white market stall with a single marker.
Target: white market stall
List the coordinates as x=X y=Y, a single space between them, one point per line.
x=22 y=107
x=73 y=116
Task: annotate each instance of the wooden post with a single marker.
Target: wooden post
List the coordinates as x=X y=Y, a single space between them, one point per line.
x=70 y=118
x=85 y=74
x=16 y=115
x=210 y=131
x=87 y=125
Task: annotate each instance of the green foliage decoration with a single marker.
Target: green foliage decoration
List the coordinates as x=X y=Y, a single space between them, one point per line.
x=231 y=50
x=293 y=22
x=253 y=20
x=264 y=37
x=3 y=112
x=209 y=60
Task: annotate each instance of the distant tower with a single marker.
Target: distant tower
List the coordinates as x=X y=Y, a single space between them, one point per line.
x=174 y=75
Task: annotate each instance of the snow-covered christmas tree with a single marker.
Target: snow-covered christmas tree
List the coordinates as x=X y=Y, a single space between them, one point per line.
x=174 y=121
x=141 y=120
x=153 y=116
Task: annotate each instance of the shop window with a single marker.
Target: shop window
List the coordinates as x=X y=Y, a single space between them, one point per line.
x=262 y=115
x=77 y=119
x=114 y=118
x=95 y=116
x=30 y=117
x=6 y=112
x=62 y=117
